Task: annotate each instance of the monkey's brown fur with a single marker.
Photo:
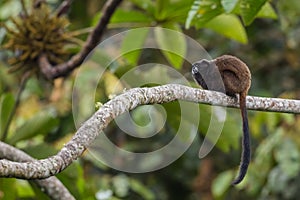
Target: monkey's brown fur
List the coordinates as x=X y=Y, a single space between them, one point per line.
x=236 y=78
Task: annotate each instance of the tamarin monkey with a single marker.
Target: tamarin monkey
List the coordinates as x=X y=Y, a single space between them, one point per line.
x=236 y=79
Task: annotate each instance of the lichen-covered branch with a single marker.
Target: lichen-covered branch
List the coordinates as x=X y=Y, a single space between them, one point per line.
x=51 y=186
x=63 y=69
x=129 y=100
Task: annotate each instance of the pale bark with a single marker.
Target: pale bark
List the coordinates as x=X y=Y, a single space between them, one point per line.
x=129 y=100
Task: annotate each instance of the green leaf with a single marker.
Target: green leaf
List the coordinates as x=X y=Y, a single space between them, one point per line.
x=221 y=184
x=192 y=13
x=288 y=157
x=142 y=190
x=203 y=11
x=230 y=26
x=177 y=11
x=132 y=44
x=249 y=9
x=230 y=139
x=160 y=11
x=172 y=44
x=267 y=11
x=7 y=102
x=37 y=192
x=39 y=124
x=8 y=188
x=24 y=190
x=9 y=9
x=228 y=5
x=40 y=151
x=146 y=5
x=132 y=16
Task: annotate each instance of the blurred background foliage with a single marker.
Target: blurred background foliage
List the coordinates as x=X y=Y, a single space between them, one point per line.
x=265 y=34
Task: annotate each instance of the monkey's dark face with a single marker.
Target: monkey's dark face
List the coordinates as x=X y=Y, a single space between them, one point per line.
x=207 y=75
x=199 y=70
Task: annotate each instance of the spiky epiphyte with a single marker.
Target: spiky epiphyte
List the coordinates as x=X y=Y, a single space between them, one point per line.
x=37 y=31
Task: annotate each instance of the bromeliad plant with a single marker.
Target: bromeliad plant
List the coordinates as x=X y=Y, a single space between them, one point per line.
x=37 y=31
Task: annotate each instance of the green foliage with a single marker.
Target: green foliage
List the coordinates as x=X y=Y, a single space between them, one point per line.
x=228 y=25
x=40 y=124
x=132 y=45
x=7 y=102
x=205 y=12
x=249 y=9
x=221 y=184
x=165 y=40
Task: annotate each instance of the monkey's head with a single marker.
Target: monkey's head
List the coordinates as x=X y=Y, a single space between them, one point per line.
x=207 y=75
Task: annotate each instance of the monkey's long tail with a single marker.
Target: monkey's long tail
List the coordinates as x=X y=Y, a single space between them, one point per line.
x=246 y=152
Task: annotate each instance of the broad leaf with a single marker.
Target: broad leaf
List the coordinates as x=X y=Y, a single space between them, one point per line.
x=160 y=11
x=133 y=43
x=172 y=44
x=267 y=11
x=132 y=16
x=192 y=13
x=249 y=9
x=230 y=26
x=229 y=5
x=203 y=11
x=8 y=188
x=177 y=11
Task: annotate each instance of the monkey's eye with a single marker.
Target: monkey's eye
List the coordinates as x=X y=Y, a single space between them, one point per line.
x=195 y=69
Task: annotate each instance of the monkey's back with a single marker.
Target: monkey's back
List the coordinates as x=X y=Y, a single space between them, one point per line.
x=235 y=74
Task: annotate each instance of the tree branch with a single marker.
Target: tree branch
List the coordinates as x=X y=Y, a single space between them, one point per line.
x=51 y=186
x=63 y=69
x=129 y=100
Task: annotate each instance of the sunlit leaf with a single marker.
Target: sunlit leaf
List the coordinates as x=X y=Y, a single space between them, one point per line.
x=8 y=188
x=192 y=13
x=9 y=8
x=172 y=44
x=203 y=11
x=229 y=26
x=249 y=9
x=228 y=5
x=124 y=16
x=267 y=11
x=24 y=189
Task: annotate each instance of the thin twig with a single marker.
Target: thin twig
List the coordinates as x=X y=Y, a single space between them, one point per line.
x=63 y=8
x=24 y=79
x=63 y=69
x=24 y=8
x=80 y=31
x=127 y=101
